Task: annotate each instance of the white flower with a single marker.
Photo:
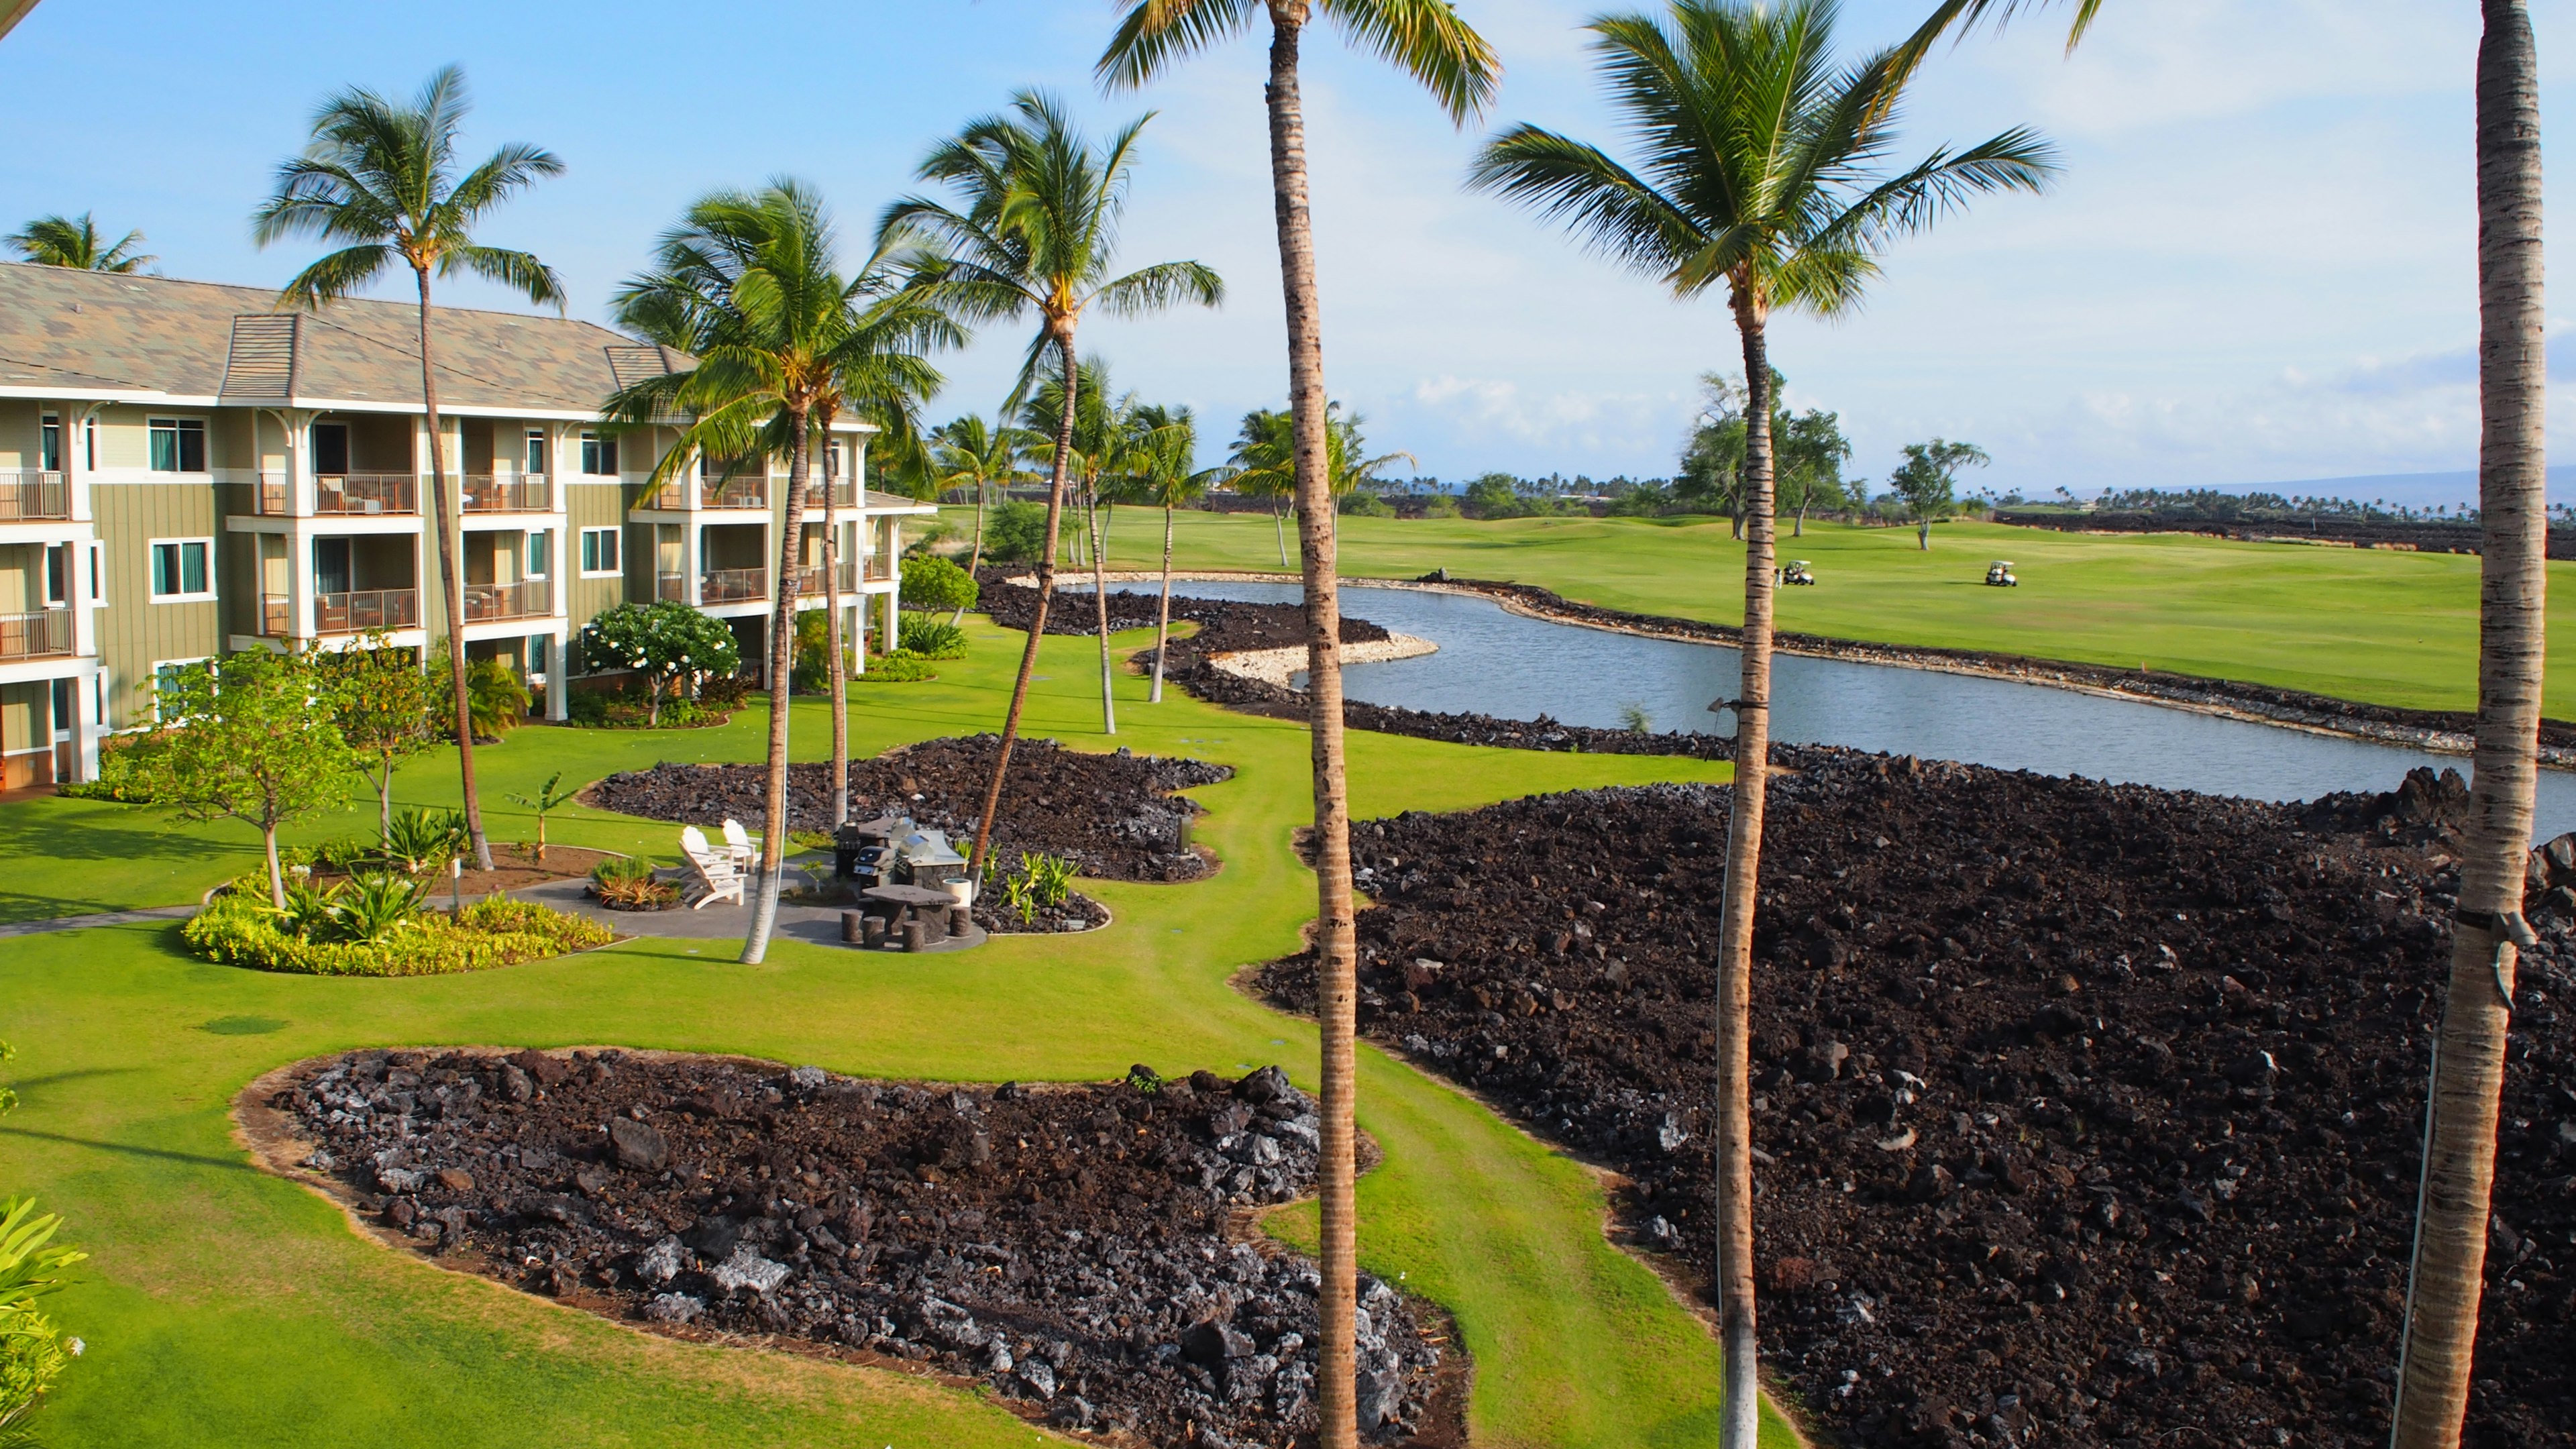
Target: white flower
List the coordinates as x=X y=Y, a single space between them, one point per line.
x=74 y=1347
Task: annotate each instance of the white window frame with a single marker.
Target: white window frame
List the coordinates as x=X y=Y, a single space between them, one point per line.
x=98 y=575
x=537 y=554
x=206 y=441
x=53 y=423
x=617 y=546
x=540 y=441
x=152 y=546
x=160 y=664
x=593 y=444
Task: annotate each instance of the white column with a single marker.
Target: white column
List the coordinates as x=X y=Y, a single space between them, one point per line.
x=301 y=581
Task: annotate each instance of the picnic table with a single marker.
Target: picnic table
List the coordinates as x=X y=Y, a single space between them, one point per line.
x=913 y=904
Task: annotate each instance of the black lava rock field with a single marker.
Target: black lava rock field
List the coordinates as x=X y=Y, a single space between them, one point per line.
x=2086 y=1114
x=1114 y=815
x=1084 y=1251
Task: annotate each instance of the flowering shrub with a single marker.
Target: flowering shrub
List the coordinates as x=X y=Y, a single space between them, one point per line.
x=673 y=646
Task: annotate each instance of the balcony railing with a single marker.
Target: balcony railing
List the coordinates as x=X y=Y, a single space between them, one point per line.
x=276 y=616
x=526 y=599
x=364 y=609
x=36 y=636
x=809 y=581
x=28 y=493
x=671 y=497
x=733 y=586
x=738 y=492
x=843 y=495
x=366 y=493
x=273 y=496
x=507 y=493
x=674 y=587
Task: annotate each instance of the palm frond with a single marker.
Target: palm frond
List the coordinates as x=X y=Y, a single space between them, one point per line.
x=1153 y=35
x=336 y=276
x=521 y=272
x=1428 y=40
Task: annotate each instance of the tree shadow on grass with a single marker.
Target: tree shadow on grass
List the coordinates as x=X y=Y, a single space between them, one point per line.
x=129 y=1149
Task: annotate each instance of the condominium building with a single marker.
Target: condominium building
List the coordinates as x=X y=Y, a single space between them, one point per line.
x=186 y=470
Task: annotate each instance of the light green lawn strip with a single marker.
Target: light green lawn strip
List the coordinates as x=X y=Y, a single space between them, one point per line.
x=2362 y=624
x=226 y=1307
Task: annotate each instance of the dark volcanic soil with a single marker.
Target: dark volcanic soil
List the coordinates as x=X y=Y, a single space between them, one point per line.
x=1085 y=1251
x=1225 y=626
x=1115 y=814
x=2087 y=1114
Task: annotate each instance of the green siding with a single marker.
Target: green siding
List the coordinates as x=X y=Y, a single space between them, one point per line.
x=134 y=632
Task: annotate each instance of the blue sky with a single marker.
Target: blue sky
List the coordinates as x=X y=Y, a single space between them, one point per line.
x=2258 y=266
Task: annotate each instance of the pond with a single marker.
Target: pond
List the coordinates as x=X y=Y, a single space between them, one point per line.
x=1492 y=661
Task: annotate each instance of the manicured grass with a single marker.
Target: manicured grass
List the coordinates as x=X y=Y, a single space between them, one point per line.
x=225 y=1307
x=2381 y=627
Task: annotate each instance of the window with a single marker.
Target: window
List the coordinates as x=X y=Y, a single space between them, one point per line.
x=165 y=674
x=98 y=573
x=536 y=450
x=178 y=445
x=331 y=449
x=62 y=709
x=180 y=569
x=541 y=552
x=598 y=551
x=58 y=575
x=598 y=456
x=52 y=448
x=89 y=444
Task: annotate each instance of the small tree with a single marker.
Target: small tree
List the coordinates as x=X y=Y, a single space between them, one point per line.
x=1926 y=479
x=384 y=701
x=1017 y=532
x=249 y=737
x=672 y=645
x=1494 y=495
x=934 y=585
x=550 y=796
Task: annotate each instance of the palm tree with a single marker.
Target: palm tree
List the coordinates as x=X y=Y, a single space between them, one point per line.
x=1757 y=175
x=56 y=241
x=1036 y=230
x=749 y=285
x=1264 y=464
x=1163 y=451
x=1097 y=434
x=1428 y=40
x=2449 y=1270
x=381 y=177
x=971 y=454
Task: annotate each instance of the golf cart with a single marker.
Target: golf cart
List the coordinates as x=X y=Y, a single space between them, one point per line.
x=2000 y=574
x=1799 y=571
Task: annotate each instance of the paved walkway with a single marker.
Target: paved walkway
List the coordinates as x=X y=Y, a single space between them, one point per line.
x=101 y=918
x=818 y=924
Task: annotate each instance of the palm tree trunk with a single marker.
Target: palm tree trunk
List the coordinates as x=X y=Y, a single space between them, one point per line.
x=1100 y=599
x=1279 y=526
x=451 y=587
x=1163 y=622
x=1037 y=619
x=1336 y=960
x=1741 y=1414
x=974 y=560
x=2468 y=1064
x=839 y=671
x=782 y=673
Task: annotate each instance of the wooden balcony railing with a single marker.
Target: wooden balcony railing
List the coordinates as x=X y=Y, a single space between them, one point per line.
x=358 y=611
x=39 y=635
x=28 y=493
x=733 y=586
x=276 y=616
x=674 y=587
x=809 y=581
x=507 y=493
x=737 y=492
x=526 y=599
x=843 y=495
x=366 y=493
x=273 y=496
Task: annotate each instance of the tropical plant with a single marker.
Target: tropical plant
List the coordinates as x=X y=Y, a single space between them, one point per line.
x=1927 y=481
x=931 y=638
x=549 y=797
x=934 y=585
x=676 y=648
x=33 y=1353
x=238 y=930
x=60 y=241
x=1018 y=533
x=1035 y=229
x=242 y=739
x=8 y=1096
x=370 y=910
x=1162 y=456
x=383 y=701
x=496 y=696
x=423 y=840
x=307 y=909
x=628 y=882
x=380 y=176
x=1264 y=462
x=900 y=666
x=1758 y=173
x=750 y=285
x=1096 y=435
x=1426 y=39
x=971 y=454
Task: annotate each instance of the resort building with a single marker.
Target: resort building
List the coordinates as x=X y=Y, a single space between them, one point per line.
x=186 y=470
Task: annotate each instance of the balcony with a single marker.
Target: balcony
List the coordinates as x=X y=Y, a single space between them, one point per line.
x=674 y=587
x=273 y=496
x=809 y=581
x=26 y=493
x=359 y=611
x=733 y=586
x=843 y=495
x=527 y=599
x=750 y=491
x=507 y=493
x=41 y=635
x=276 y=616
x=349 y=494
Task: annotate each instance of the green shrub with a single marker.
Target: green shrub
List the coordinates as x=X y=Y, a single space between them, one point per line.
x=628 y=881
x=931 y=638
x=935 y=585
x=1042 y=882
x=425 y=839
x=632 y=709
x=901 y=667
x=121 y=771
x=239 y=929
x=1015 y=532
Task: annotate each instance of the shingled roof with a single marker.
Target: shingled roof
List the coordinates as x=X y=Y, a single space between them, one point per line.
x=76 y=333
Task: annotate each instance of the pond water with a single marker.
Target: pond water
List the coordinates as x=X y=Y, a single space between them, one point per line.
x=1492 y=661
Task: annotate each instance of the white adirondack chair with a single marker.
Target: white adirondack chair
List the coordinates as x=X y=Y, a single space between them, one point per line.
x=717 y=879
x=738 y=845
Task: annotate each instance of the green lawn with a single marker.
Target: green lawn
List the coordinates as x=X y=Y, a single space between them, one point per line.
x=2382 y=627
x=227 y=1308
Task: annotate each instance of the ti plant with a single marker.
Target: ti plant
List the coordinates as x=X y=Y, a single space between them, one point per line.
x=549 y=796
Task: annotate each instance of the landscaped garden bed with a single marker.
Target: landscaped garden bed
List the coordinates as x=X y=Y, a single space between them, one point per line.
x=1087 y=1253
x=1115 y=815
x=363 y=929
x=2086 y=1114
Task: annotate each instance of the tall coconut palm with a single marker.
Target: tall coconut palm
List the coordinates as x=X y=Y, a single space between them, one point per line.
x=970 y=454
x=1757 y=174
x=1097 y=434
x=381 y=177
x=1427 y=40
x=749 y=284
x=1264 y=465
x=2449 y=1270
x=1162 y=457
x=61 y=241
x=1035 y=229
